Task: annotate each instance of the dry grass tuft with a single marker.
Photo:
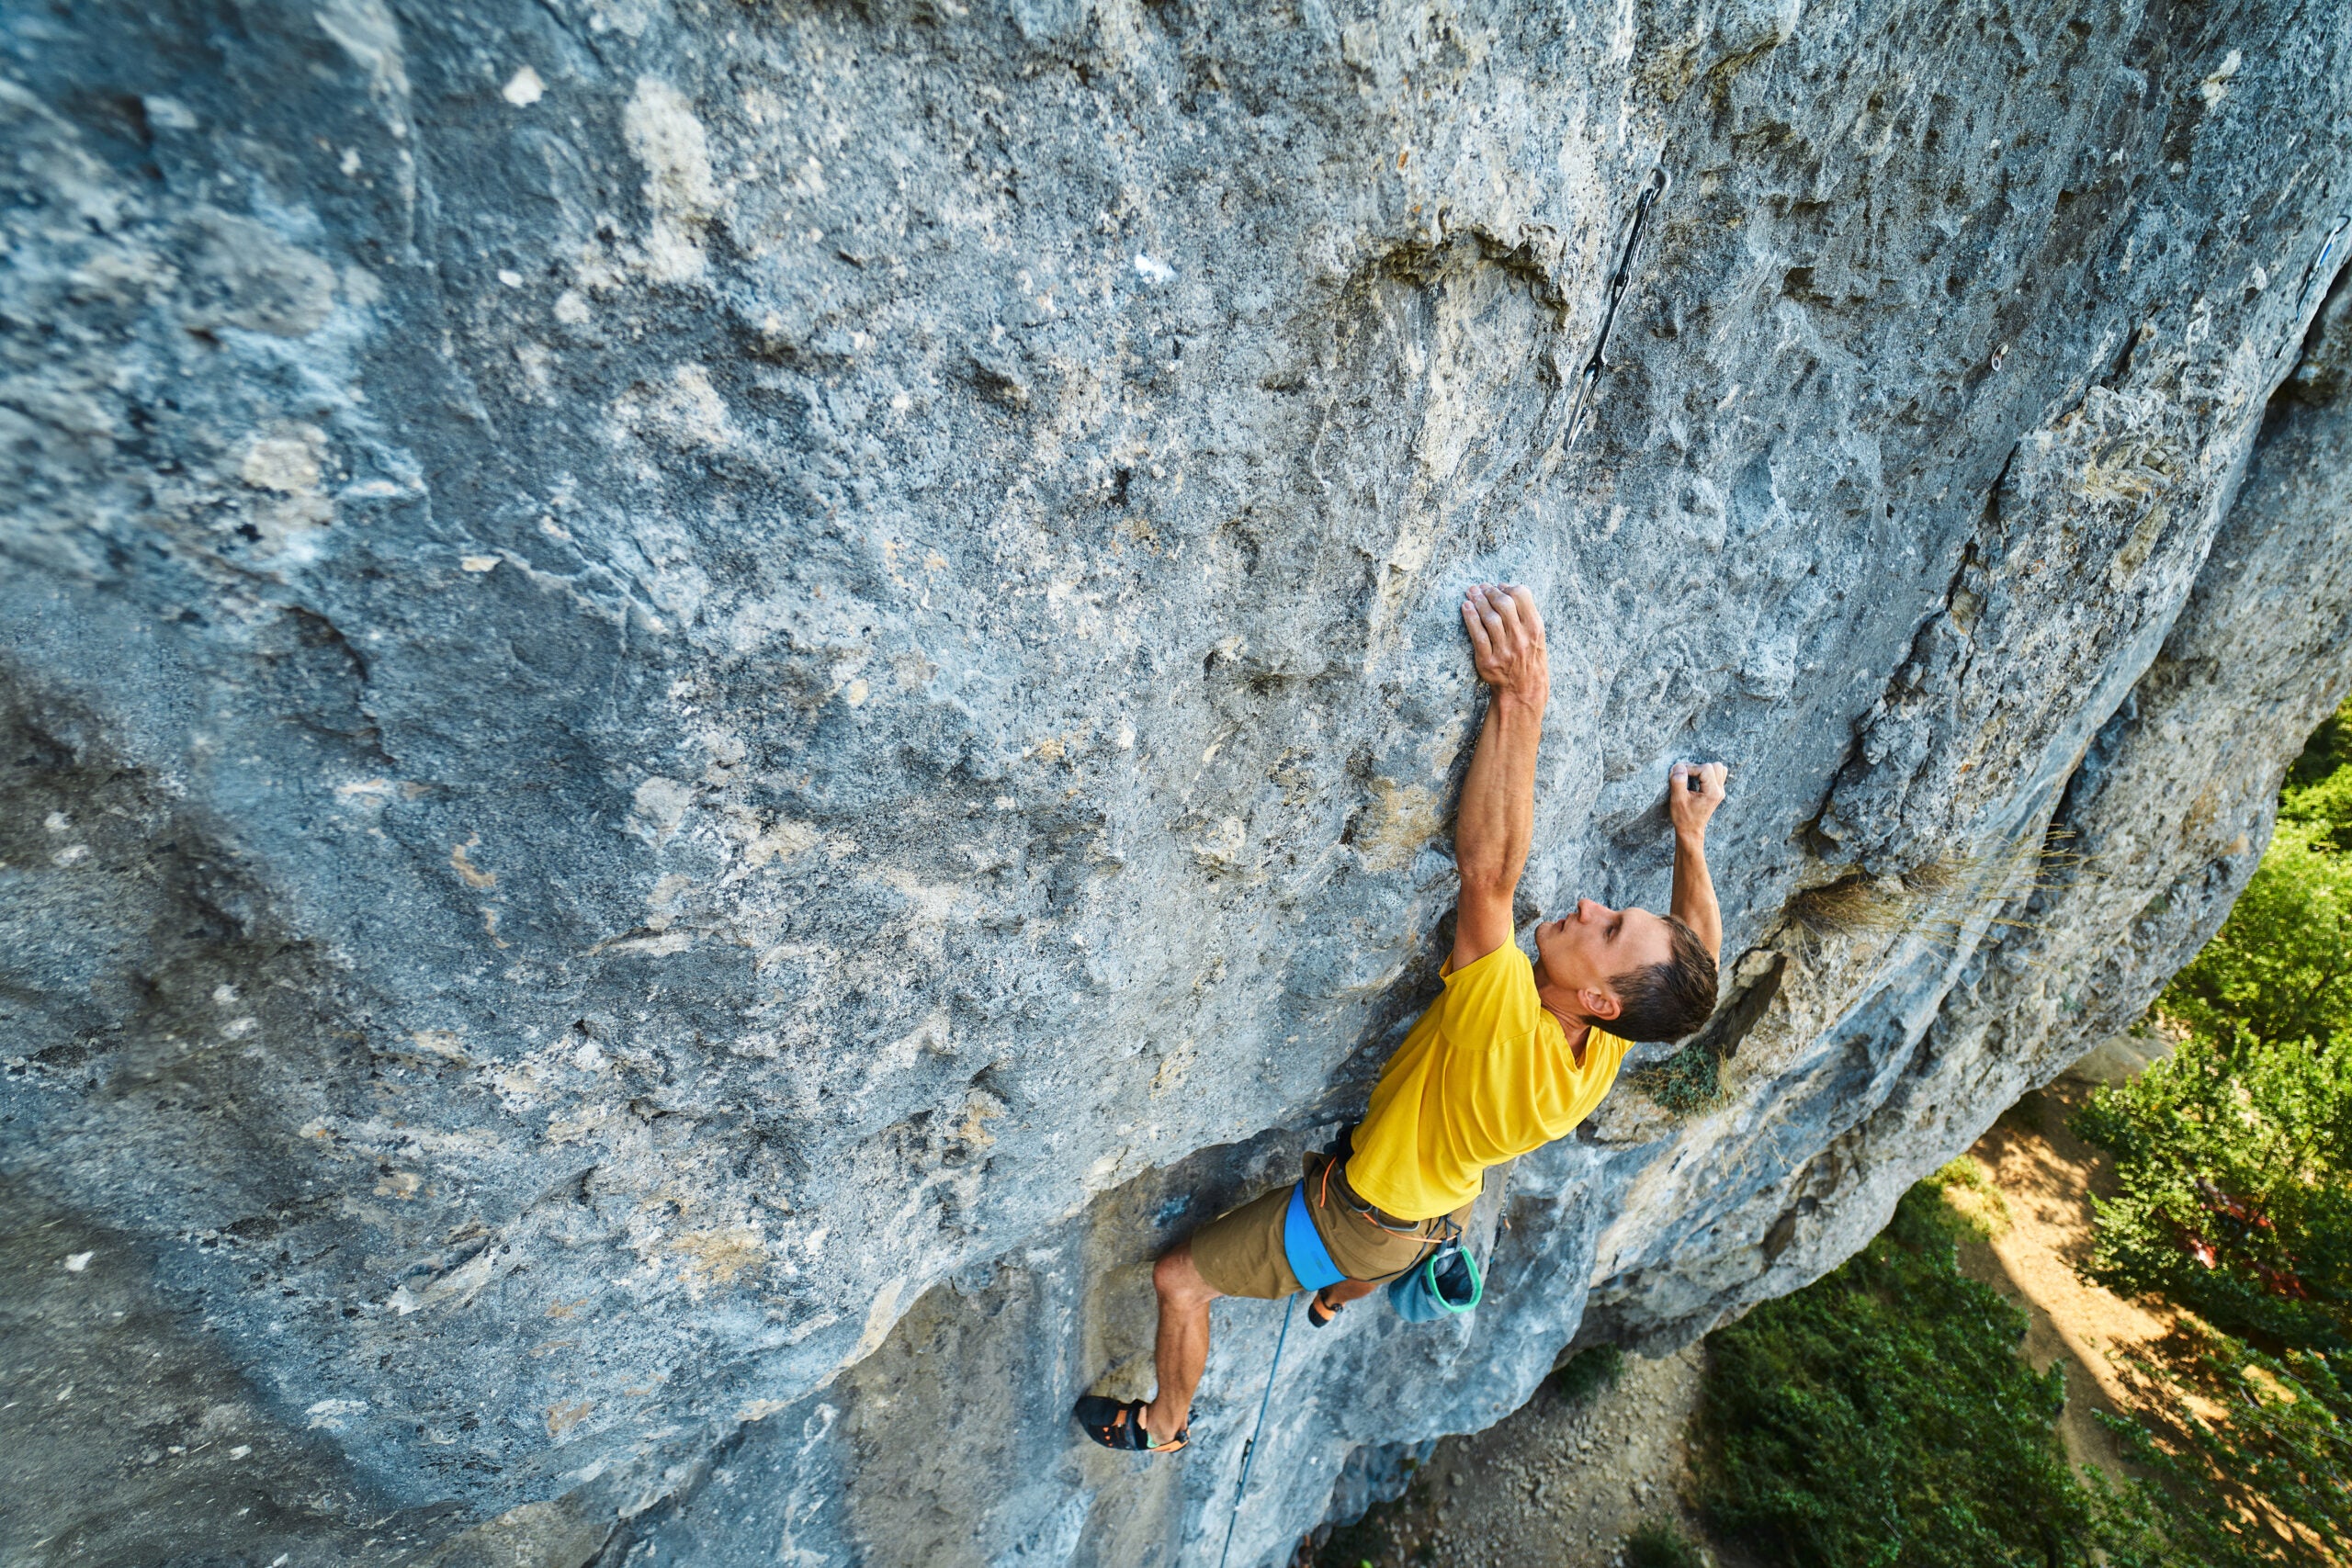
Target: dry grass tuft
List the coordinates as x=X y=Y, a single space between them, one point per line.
x=1852 y=906
x=1937 y=875
x=1858 y=904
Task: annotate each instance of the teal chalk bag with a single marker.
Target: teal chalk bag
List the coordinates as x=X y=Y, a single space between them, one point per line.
x=1444 y=1284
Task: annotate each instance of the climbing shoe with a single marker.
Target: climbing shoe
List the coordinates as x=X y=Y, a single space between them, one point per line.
x=1118 y=1424
x=1321 y=1310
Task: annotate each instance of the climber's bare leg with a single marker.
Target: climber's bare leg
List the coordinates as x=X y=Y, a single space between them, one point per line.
x=1182 y=1347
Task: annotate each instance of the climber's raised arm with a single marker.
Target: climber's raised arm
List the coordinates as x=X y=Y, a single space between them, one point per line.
x=1694 y=790
x=1497 y=820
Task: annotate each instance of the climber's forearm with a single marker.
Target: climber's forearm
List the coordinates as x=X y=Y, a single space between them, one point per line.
x=1694 y=790
x=1695 y=890
x=1496 y=825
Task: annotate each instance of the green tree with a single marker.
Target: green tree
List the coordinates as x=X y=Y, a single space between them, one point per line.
x=2234 y=1169
x=2234 y=1157
x=2280 y=967
x=2232 y=1163
x=2253 y=1453
x=1882 y=1417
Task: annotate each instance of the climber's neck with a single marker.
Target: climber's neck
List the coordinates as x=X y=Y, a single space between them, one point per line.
x=1561 y=1004
x=1567 y=1003
x=1577 y=1030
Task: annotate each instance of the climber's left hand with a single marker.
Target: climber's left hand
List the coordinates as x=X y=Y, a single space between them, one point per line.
x=1506 y=641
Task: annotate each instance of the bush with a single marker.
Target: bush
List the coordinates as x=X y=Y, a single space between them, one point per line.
x=2232 y=1163
x=1968 y=1190
x=1586 y=1374
x=1657 y=1545
x=1882 y=1417
x=2266 y=1476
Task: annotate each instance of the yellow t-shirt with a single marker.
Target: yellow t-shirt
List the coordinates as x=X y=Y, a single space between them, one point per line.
x=1486 y=1075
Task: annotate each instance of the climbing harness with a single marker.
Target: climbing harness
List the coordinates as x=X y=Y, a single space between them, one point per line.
x=1250 y=1449
x=1353 y=1201
x=1303 y=1247
x=1653 y=187
x=1445 y=1280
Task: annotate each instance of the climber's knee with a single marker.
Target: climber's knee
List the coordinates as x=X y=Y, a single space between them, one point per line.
x=1178 y=1279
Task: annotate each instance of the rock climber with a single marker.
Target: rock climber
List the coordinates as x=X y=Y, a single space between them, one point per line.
x=1511 y=1055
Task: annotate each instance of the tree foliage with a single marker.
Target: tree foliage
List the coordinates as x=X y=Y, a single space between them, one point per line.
x=2232 y=1163
x=2234 y=1168
x=2253 y=1452
x=2280 y=967
x=1882 y=1417
x=2234 y=1156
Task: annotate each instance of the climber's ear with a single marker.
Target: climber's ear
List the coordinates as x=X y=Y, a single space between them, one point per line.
x=1597 y=1003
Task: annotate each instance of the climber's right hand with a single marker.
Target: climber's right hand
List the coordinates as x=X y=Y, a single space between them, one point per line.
x=1506 y=641
x=1694 y=790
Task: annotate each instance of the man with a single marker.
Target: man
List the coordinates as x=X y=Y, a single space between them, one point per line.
x=1512 y=1055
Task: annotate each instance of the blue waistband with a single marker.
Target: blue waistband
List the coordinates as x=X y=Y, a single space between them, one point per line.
x=1303 y=1245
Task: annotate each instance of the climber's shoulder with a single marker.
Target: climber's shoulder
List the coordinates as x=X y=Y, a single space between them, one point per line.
x=1489 y=966
x=1492 y=997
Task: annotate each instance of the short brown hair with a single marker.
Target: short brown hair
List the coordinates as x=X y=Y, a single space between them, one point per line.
x=1670 y=1000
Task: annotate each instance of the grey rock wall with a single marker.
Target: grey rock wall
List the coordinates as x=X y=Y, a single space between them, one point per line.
x=708 y=706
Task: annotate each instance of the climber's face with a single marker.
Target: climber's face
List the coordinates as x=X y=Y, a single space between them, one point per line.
x=1580 y=955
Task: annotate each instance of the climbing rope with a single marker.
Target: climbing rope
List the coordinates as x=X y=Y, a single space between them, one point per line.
x=1653 y=188
x=1250 y=1449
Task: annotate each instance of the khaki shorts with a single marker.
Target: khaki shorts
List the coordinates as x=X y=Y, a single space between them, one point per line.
x=1241 y=1254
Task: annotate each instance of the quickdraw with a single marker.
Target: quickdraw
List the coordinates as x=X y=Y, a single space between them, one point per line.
x=1653 y=189
x=2318 y=275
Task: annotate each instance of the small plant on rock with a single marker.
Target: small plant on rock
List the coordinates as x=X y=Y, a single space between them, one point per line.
x=1656 y=1544
x=1586 y=1374
x=1684 y=1084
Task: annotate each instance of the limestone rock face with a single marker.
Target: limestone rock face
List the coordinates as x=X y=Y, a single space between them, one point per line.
x=708 y=706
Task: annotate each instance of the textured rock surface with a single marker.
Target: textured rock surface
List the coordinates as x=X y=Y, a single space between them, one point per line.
x=708 y=706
